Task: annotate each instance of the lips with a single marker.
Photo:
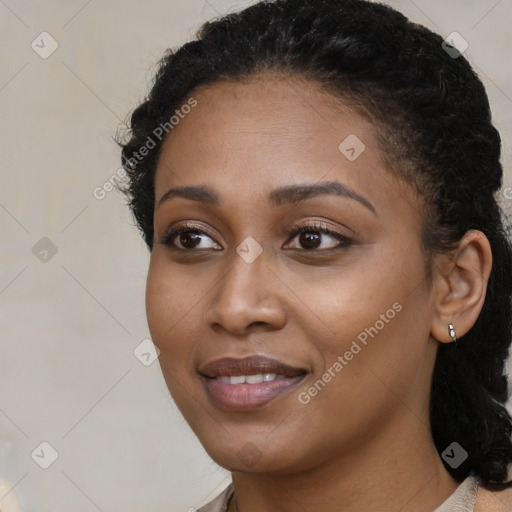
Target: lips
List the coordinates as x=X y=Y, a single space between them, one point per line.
x=248 y=383
x=252 y=365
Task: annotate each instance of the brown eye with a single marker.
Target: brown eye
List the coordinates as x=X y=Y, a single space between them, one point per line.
x=319 y=238
x=186 y=238
x=189 y=239
x=310 y=240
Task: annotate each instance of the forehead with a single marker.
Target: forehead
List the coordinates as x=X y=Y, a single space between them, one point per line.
x=269 y=130
x=269 y=104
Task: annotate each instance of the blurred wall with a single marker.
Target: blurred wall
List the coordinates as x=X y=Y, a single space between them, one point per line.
x=73 y=266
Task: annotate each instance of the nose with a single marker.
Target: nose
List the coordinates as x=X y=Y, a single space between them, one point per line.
x=247 y=299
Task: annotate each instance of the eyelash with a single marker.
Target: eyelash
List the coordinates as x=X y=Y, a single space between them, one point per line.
x=296 y=230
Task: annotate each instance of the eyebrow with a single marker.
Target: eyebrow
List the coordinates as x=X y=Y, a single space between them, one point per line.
x=289 y=194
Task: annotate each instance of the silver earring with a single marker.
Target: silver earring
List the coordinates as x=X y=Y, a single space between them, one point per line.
x=451 y=330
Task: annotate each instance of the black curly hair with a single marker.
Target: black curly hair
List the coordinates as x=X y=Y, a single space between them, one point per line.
x=436 y=133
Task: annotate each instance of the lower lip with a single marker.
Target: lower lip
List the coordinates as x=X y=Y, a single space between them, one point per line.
x=240 y=397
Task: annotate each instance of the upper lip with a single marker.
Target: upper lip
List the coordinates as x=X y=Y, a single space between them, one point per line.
x=251 y=365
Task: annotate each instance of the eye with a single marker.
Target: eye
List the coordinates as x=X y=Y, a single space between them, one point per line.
x=312 y=238
x=186 y=237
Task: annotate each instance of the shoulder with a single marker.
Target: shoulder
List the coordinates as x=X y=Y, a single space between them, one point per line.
x=221 y=502
x=486 y=501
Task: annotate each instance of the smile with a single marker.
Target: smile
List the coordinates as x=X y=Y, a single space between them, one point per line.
x=249 y=383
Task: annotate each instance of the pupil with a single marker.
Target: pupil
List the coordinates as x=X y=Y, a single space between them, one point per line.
x=187 y=236
x=310 y=240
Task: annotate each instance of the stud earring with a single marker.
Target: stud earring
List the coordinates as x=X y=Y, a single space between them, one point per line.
x=451 y=330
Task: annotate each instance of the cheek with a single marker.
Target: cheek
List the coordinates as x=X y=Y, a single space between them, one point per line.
x=169 y=311
x=372 y=369
x=373 y=314
x=341 y=302
x=159 y=304
x=170 y=315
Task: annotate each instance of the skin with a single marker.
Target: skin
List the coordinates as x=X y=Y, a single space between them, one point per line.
x=363 y=442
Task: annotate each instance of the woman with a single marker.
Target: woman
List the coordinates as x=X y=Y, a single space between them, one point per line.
x=329 y=284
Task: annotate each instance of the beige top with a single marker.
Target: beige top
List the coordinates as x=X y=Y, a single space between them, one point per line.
x=462 y=500
x=221 y=502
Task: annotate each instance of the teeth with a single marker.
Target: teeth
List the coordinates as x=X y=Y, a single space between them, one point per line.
x=249 y=379
x=254 y=379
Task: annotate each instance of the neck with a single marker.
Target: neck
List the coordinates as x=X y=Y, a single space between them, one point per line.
x=411 y=477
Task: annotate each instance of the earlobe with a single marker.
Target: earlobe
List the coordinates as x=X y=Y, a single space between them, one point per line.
x=459 y=287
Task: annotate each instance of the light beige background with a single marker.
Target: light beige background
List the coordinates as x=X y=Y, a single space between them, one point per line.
x=69 y=326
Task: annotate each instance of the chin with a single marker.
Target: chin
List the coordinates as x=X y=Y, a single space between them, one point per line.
x=246 y=456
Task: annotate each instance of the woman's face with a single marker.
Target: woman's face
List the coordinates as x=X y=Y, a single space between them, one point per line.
x=332 y=328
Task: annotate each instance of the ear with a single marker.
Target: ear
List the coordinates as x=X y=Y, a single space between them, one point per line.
x=460 y=285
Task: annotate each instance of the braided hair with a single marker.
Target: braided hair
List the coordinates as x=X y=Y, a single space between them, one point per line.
x=436 y=133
